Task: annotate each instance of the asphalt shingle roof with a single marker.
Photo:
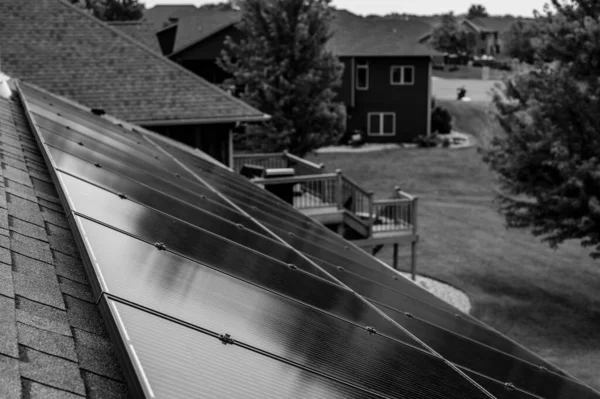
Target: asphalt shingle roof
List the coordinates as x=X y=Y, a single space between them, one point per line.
x=142 y=31
x=62 y=49
x=159 y=15
x=353 y=35
x=53 y=342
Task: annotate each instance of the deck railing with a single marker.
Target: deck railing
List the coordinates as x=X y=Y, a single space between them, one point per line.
x=277 y=160
x=310 y=191
x=395 y=214
x=333 y=190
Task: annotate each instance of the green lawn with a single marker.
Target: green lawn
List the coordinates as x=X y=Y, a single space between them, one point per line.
x=547 y=300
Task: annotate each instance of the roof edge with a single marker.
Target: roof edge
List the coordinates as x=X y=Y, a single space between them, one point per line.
x=202 y=38
x=203 y=121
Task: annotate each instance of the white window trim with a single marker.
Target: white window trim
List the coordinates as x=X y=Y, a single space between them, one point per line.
x=402 y=68
x=381 y=124
x=362 y=66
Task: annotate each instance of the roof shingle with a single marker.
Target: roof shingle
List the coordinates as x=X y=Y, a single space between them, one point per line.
x=51 y=332
x=62 y=49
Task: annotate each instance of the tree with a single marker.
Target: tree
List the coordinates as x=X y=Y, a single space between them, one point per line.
x=520 y=41
x=476 y=11
x=113 y=10
x=283 y=68
x=551 y=151
x=451 y=37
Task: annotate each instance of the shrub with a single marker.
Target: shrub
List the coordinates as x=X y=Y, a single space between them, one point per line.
x=441 y=120
x=425 y=141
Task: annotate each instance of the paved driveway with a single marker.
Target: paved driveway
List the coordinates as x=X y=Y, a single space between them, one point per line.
x=477 y=90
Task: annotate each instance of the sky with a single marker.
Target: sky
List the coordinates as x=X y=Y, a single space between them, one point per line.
x=423 y=7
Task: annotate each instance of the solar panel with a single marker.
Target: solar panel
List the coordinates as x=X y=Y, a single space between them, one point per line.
x=214 y=287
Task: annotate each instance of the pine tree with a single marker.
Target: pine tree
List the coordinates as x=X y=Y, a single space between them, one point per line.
x=282 y=67
x=551 y=151
x=476 y=11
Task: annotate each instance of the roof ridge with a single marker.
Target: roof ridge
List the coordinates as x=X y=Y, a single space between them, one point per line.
x=156 y=55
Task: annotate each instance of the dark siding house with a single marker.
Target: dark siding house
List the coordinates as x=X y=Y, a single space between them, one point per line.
x=386 y=85
x=103 y=67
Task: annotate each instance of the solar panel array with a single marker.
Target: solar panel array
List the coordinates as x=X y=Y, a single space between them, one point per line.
x=212 y=287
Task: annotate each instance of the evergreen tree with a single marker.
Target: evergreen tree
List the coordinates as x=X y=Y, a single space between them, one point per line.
x=520 y=41
x=113 y=10
x=283 y=68
x=551 y=151
x=450 y=36
x=477 y=10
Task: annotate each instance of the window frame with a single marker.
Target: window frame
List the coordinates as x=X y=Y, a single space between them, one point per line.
x=381 y=124
x=364 y=66
x=402 y=80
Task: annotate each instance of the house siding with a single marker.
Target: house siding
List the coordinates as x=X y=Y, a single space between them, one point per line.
x=213 y=139
x=410 y=103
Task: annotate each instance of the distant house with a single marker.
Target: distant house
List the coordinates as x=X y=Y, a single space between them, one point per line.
x=489 y=33
x=64 y=50
x=163 y=14
x=386 y=85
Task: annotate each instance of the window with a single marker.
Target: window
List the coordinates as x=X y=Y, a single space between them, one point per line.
x=381 y=123
x=362 y=77
x=402 y=75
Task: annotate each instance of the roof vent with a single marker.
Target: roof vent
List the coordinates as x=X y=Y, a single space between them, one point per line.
x=5 y=91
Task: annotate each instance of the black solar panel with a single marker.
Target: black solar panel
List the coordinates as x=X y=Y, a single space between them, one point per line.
x=216 y=288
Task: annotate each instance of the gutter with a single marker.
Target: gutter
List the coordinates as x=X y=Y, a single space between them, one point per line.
x=202 y=121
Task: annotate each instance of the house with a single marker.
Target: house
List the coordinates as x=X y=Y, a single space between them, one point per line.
x=489 y=33
x=118 y=279
x=102 y=67
x=386 y=85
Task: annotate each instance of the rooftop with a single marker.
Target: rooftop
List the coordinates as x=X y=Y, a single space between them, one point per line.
x=63 y=49
x=353 y=35
x=102 y=222
x=53 y=341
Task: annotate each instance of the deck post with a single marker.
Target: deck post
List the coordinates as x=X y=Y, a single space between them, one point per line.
x=413 y=260
x=339 y=189
x=395 y=261
x=371 y=216
x=413 y=244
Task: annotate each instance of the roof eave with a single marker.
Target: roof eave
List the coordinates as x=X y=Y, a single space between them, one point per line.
x=201 y=121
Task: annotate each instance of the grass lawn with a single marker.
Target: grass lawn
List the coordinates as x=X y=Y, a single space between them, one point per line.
x=547 y=300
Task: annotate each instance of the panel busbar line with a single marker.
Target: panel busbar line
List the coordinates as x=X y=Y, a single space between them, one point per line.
x=458 y=378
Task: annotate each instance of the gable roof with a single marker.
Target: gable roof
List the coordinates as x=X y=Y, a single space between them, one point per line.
x=53 y=341
x=159 y=15
x=494 y=24
x=353 y=35
x=63 y=49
